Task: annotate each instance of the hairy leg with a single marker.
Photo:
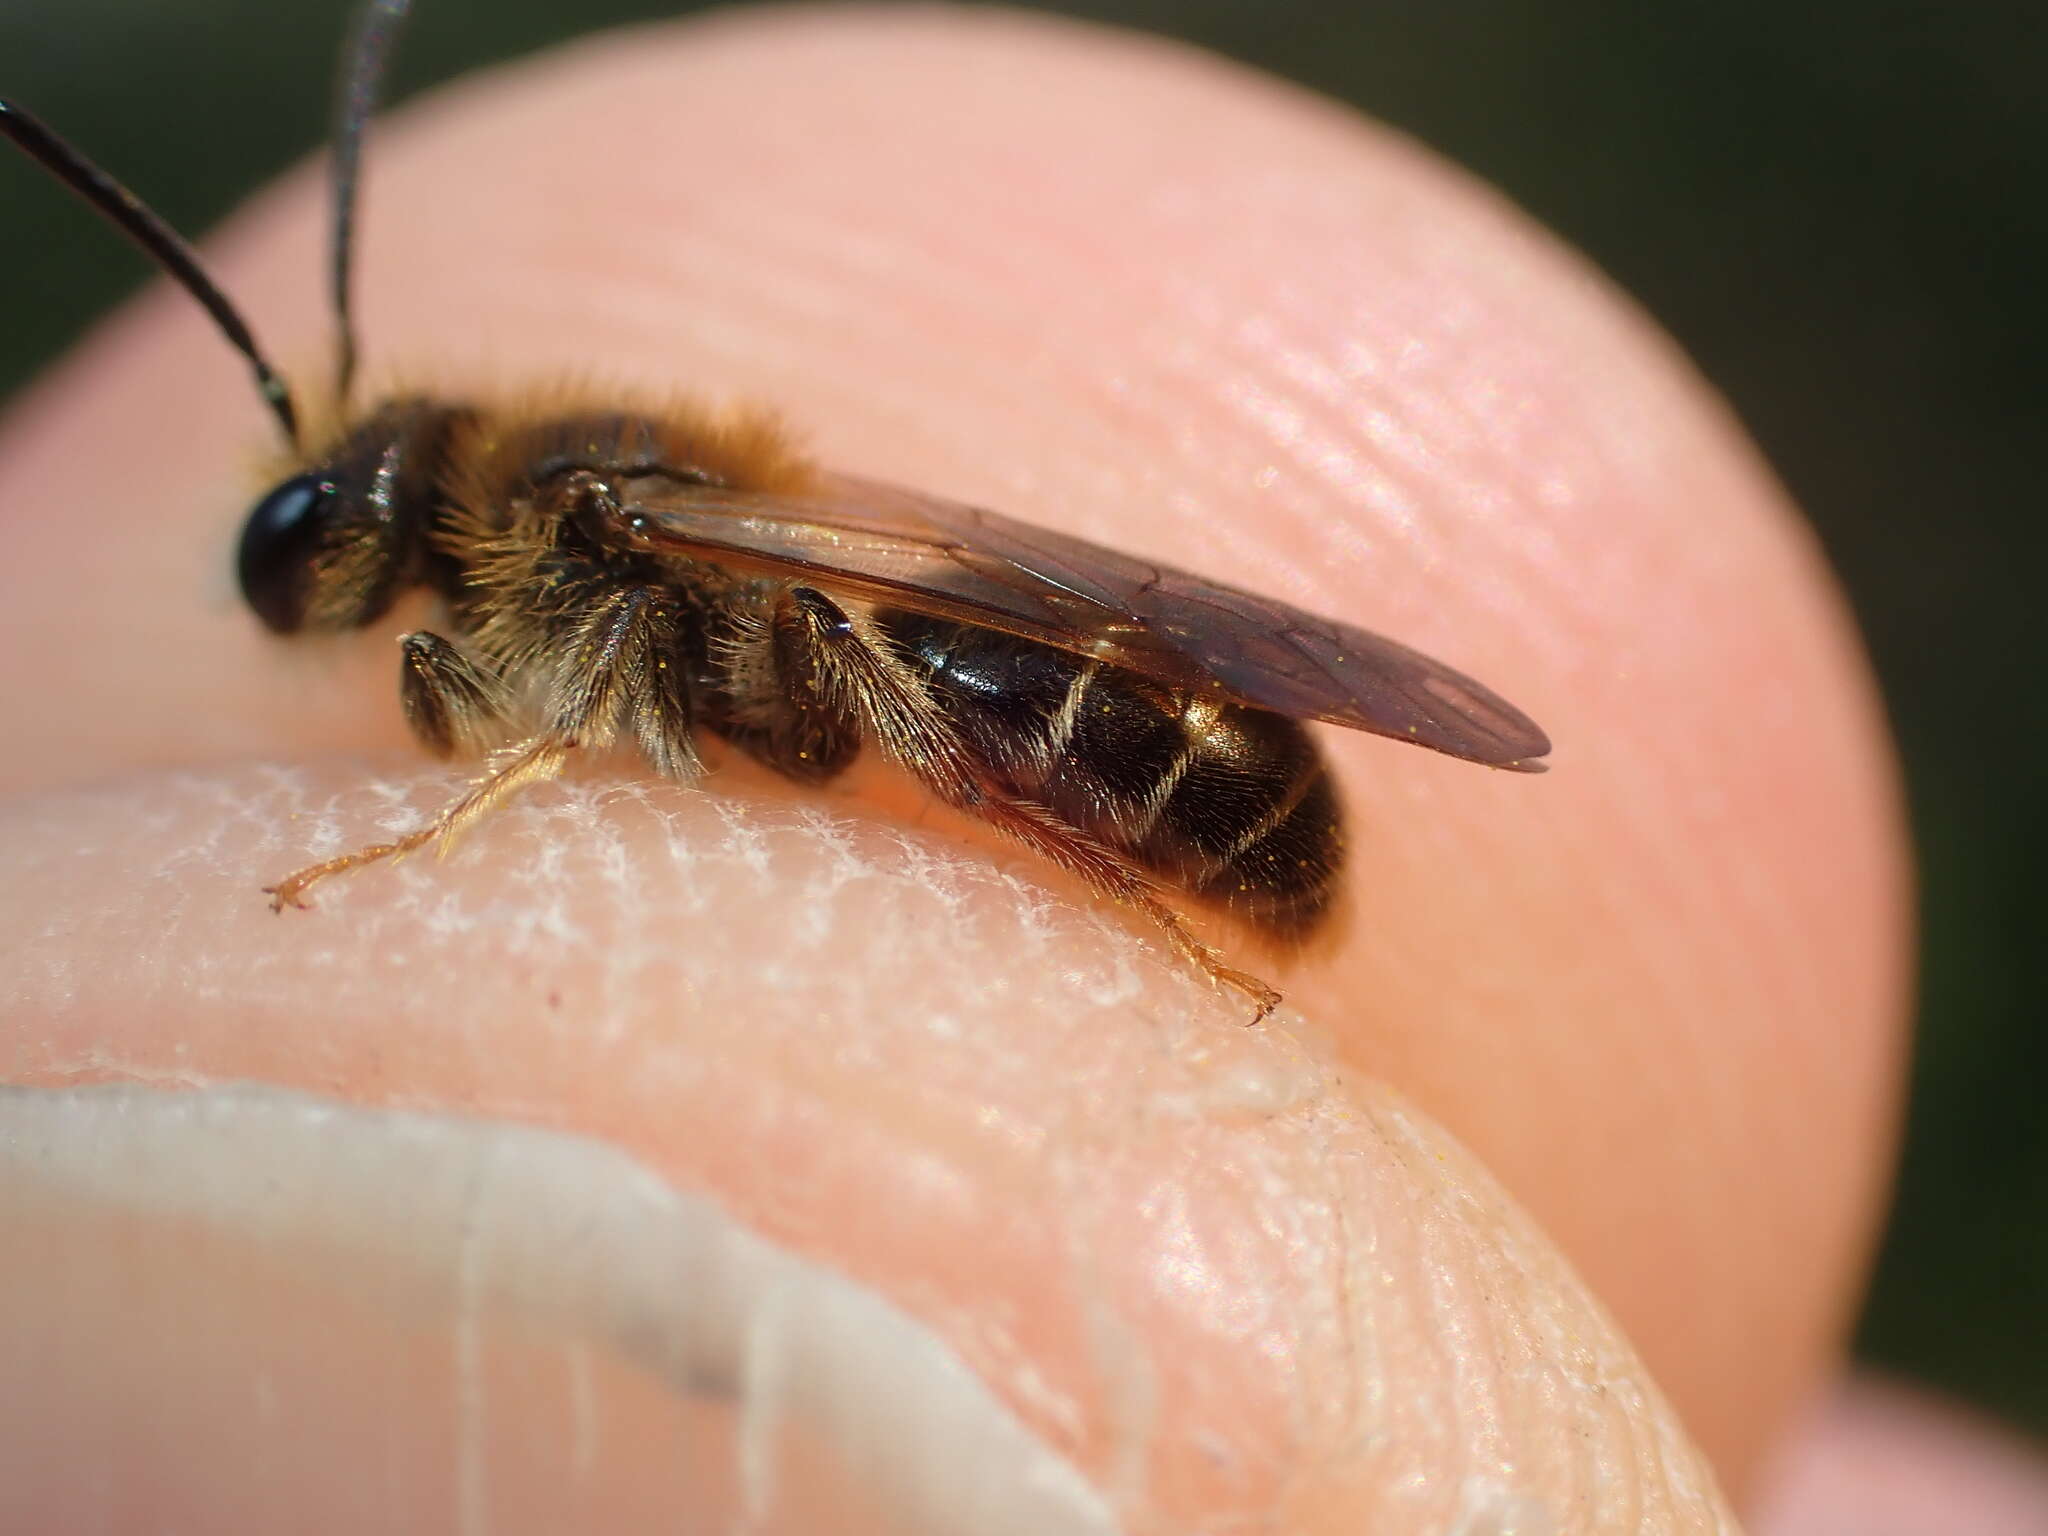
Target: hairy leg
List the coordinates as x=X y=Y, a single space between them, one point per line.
x=454 y=706
x=609 y=670
x=775 y=706
x=858 y=674
x=527 y=763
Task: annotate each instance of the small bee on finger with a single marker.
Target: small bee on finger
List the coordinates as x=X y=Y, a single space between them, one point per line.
x=648 y=574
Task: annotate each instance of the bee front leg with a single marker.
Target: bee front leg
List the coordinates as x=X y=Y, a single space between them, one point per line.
x=859 y=673
x=527 y=763
x=452 y=704
x=609 y=669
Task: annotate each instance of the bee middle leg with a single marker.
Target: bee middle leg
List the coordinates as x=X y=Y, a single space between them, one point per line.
x=773 y=705
x=862 y=677
x=611 y=672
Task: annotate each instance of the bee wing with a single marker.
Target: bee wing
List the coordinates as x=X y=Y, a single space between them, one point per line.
x=938 y=557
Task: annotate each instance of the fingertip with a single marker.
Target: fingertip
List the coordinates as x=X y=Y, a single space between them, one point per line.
x=1131 y=292
x=468 y=1130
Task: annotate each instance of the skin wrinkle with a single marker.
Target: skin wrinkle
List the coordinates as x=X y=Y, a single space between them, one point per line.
x=1469 y=969
x=1319 y=1111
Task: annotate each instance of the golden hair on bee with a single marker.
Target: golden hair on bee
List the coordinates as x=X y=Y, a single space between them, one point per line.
x=742 y=442
x=648 y=572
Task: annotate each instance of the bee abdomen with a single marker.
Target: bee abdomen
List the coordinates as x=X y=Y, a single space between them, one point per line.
x=1230 y=804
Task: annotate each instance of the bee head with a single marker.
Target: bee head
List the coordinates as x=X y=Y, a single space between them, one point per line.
x=331 y=545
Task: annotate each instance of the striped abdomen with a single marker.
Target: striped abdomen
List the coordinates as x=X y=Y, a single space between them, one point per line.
x=1230 y=804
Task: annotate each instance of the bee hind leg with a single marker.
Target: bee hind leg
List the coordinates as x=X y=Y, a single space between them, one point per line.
x=864 y=675
x=1115 y=877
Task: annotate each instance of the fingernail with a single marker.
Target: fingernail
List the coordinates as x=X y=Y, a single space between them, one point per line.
x=251 y=1307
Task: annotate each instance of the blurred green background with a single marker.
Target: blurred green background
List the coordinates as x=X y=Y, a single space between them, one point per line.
x=1837 y=207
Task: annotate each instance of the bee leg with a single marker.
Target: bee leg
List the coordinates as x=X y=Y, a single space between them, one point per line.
x=774 y=707
x=622 y=669
x=859 y=672
x=527 y=763
x=610 y=667
x=452 y=704
x=1115 y=877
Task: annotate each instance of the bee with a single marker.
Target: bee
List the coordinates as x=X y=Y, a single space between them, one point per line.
x=652 y=575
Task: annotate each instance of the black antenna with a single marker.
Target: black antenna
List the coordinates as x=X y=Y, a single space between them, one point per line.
x=162 y=244
x=376 y=26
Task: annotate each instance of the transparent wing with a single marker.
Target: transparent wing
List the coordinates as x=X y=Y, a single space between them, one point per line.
x=933 y=556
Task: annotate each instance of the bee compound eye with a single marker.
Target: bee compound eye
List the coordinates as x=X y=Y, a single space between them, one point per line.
x=279 y=543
